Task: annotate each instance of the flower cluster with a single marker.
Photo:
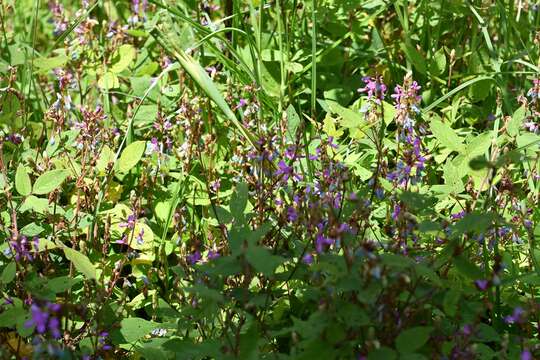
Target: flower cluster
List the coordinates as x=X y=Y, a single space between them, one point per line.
x=22 y=248
x=411 y=158
x=45 y=319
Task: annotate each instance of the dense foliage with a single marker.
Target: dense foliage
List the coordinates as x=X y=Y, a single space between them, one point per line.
x=325 y=179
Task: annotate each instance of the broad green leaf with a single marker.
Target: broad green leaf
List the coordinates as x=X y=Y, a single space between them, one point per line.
x=48 y=64
x=205 y=292
x=516 y=122
x=329 y=127
x=414 y=57
x=450 y=301
x=248 y=343
x=124 y=57
x=23 y=185
x=474 y=222
x=467 y=268
x=108 y=81
x=413 y=339
x=437 y=64
x=382 y=353
x=262 y=260
x=31 y=229
x=39 y=205
x=293 y=121
x=453 y=178
x=8 y=274
x=396 y=261
x=480 y=90
x=488 y=334
x=106 y=156
x=12 y=317
x=62 y=283
x=528 y=142
x=446 y=136
x=131 y=156
x=81 y=262
x=239 y=200
x=133 y=328
x=49 y=181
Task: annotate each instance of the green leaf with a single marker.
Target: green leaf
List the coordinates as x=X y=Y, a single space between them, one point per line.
x=108 y=81
x=133 y=329
x=516 y=122
x=199 y=75
x=49 y=181
x=437 y=64
x=23 y=185
x=262 y=260
x=480 y=90
x=248 y=348
x=446 y=136
x=413 y=339
x=396 y=261
x=452 y=178
x=124 y=57
x=81 y=262
x=106 y=156
x=414 y=57
x=479 y=163
x=293 y=121
x=528 y=141
x=382 y=353
x=62 y=283
x=8 y=274
x=474 y=222
x=131 y=155
x=329 y=127
x=205 y=292
x=488 y=334
x=467 y=268
x=450 y=301
x=239 y=200
x=31 y=229
x=47 y=64
x=13 y=316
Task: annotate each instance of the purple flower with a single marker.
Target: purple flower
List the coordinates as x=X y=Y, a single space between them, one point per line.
x=526 y=355
x=322 y=241
x=241 y=103
x=153 y=146
x=481 y=284
x=292 y=214
x=211 y=70
x=215 y=185
x=43 y=321
x=290 y=152
x=286 y=172
x=194 y=258
x=23 y=248
x=466 y=329
x=54 y=327
x=458 y=215
x=14 y=138
x=213 y=254
x=396 y=212
x=516 y=317
x=39 y=319
x=307 y=259
x=375 y=89
x=130 y=222
x=140 y=239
